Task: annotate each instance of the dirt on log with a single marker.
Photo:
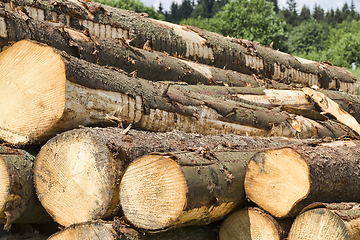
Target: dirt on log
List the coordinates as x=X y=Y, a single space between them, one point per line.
x=283 y=181
x=330 y=221
x=186 y=41
x=18 y=201
x=154 y=66
x=62 y=92
x=102 y=154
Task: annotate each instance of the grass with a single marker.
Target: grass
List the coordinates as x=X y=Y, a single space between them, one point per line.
x=356 y=73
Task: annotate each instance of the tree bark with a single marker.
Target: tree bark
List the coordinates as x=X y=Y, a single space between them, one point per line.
x=86 y=189
x=154 y=66
x=253 y=224
x=18 y=201
x=327 y=221
x=283 y=181
x=176 y=189
x=62 y=92
x=190 y=42
x=117 y=230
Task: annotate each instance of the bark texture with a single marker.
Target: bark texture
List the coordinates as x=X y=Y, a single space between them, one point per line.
x=250 y=224
x=118 y=230
x=327 y=221
x=190 y=42
x=19 y=203
x=283 y=181
x=77 y=173
x=82 y=93
x=155 y=66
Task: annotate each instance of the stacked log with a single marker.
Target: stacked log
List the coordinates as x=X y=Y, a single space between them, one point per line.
x=185 y=41
x=234 y=154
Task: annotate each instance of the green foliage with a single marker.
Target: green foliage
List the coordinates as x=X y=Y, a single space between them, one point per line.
x=199 y=22
x=133 y=5
x=309 y=36
x=346 y=51
x=253 y=20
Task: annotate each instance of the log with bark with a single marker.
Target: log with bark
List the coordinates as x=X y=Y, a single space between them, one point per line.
x=158 y=191
x=283 y=181
x=154 y=66
x=44 y=92
x=253 y=224
x=69 y=167
x=18 y=201
x=327 y=221
x=186 y=41
x=119 y=230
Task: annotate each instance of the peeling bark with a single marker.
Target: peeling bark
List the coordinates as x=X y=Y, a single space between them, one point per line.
x=190 y=42
x=154 y=66
x=70 y=92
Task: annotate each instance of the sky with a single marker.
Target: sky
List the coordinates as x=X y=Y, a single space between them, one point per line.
x=325 y=4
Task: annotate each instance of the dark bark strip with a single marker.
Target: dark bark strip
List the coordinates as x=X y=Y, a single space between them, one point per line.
x=154 y=66
x=19 y=201
x=196 y=44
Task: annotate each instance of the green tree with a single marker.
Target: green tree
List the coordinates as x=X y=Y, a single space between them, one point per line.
x=346 y=51
x=251 y=20
x=305 y=14
x=308 y=37
x=318 y=13
x=133 y=5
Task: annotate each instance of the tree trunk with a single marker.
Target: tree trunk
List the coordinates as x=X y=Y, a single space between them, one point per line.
x=190 y=42
x=253 y=224
x=18 y=201
x=116 y=230
x=158 y=191
x=86 y=189
x=62 y=92
x=335 y=221
x=283 y=181
x=154 y=66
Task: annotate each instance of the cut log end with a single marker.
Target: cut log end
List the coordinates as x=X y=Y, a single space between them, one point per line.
x=285 y=176
x=153 y=192
x=32 y=79
x=4 y=186
x=75 y=178
x=318 y=223
x=249 y=224
x=95 y=231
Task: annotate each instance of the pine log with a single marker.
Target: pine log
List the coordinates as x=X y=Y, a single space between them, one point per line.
x=158 y=191
x=252 y=224
x=62 y=92
x=154 y=66
x=283 y=181
x=190 y=42
x=327 y=221
x=18 y=201
x=71 y=190
x=117 y=230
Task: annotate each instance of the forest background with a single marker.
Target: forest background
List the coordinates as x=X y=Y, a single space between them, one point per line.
x=315 y=34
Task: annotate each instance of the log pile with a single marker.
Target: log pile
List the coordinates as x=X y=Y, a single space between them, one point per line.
x=117 y=126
